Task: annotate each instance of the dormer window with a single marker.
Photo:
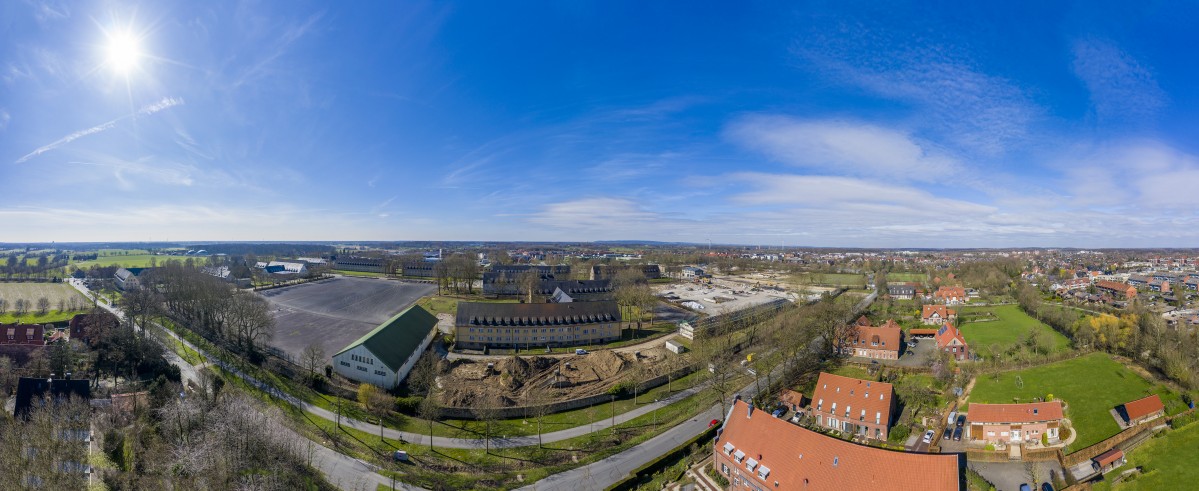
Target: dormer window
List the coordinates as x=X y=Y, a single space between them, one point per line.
x=739 y=456
x=728 y=448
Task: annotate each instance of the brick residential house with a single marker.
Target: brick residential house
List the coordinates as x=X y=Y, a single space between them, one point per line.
x=756 y=452
x=1013 y=423
x=1141 y=410
x=877 y=342
x=949 y=339
x=849 y=405
x=18 y=341
x=950 y=295
x=935 y=315
x=1117 y=289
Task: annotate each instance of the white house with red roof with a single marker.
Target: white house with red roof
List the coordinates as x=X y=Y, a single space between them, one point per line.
x=935 y=315
x=1014 y=423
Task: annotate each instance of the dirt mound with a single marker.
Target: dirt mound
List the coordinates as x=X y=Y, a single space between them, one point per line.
x=516 y=380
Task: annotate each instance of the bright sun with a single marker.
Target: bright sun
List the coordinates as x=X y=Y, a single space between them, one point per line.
x=123 y=52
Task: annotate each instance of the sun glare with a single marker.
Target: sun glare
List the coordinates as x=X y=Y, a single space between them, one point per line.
x=123 y=52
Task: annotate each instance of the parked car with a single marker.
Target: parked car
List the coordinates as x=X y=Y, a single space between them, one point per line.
x=1046 y=486
x=961 y=420
x=928 y=436
x=1025 y=487
x=957 y=434
x=580 y=351
x=948 y=433
x=953 y=415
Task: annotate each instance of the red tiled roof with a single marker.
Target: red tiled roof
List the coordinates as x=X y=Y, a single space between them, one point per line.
x=950 y=291
x=1014 y=413
x=885 y=337
x=1143 y=407
x=1109 y=457
x=791 y=397
x=876 y=398
x=947 y=333
x=922 y=332
x=941 y=310
x=799 y=458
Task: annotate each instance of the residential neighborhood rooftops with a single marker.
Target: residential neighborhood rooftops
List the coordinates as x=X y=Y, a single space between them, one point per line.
x=1031 y=412
x=770 y=450
x=29 y=390
x=1143 y=407
x=393 y=341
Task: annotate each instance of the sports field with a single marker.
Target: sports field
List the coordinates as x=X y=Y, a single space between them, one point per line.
x=336 y=311
x=133 y=260
x=1011 y=328
x=1090 y=385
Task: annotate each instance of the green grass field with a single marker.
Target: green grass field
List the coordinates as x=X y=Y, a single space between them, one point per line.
x=31 y=292
x=1090 y=385
x=1010 y=330
x=902 y=277
x=130 y=261
x=828 y=279
x=1167 y=462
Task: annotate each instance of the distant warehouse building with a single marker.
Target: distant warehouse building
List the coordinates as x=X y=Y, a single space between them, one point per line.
x=385 y=355
x=363 y=264
x=524 y=325
x=422 y=269
x=609 y=271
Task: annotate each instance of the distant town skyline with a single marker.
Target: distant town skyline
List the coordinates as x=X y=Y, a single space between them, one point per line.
x=821 y=125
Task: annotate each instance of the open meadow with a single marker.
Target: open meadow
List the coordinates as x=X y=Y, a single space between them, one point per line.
x=1090 y=385
x=1010 y=328
x=828 y=279
x=31 y=292
x=1166 y=462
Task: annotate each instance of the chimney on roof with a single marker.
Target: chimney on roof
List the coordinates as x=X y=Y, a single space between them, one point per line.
x=750 y=412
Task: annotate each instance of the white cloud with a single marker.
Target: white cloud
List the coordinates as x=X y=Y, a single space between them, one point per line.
x=1143 y=176
x=951 y=96
x=1121 y=88
x=834 y=146
x=4 y=119
x=165 y=103
x=600 y=217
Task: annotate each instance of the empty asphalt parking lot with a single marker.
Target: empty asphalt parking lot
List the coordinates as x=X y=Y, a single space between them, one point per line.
x=337 y=311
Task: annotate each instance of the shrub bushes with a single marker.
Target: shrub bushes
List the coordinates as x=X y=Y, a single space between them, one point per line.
x=899 y=434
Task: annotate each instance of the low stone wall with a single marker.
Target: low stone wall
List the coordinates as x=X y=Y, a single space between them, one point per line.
x=560 y=406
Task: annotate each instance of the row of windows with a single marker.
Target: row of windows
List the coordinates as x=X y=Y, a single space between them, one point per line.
x=363 y=359
x=380 y=373
x=519 y=330
x=522 y=339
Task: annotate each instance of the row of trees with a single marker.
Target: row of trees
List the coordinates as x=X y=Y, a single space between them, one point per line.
x=22 y=306
x=237 y=319
x=1137 y=333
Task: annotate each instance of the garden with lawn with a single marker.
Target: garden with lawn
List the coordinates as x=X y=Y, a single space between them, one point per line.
x=1090 y=385
x=1005 y=327
x=1165 y=461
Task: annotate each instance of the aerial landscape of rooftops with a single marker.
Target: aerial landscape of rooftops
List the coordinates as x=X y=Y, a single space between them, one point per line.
x=608 y=246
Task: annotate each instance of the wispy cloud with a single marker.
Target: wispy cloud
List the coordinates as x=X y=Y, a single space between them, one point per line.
x=148 y=168
x=46 y=10
x=950 y=94
x=596 y=214
x=1121 y=88
x=289 y=36
x=165 y=103
x=4 y=119
x=841 y=147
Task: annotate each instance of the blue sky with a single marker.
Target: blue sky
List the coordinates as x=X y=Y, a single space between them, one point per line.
x=822 y=124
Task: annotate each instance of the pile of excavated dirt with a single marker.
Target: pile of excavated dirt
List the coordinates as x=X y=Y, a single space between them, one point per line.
x=516 y=381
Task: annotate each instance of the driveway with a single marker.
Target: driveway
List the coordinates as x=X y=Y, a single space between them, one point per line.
x=910 y=357
x=1008 y=476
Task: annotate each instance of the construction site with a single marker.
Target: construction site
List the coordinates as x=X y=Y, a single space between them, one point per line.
x=529 y=380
